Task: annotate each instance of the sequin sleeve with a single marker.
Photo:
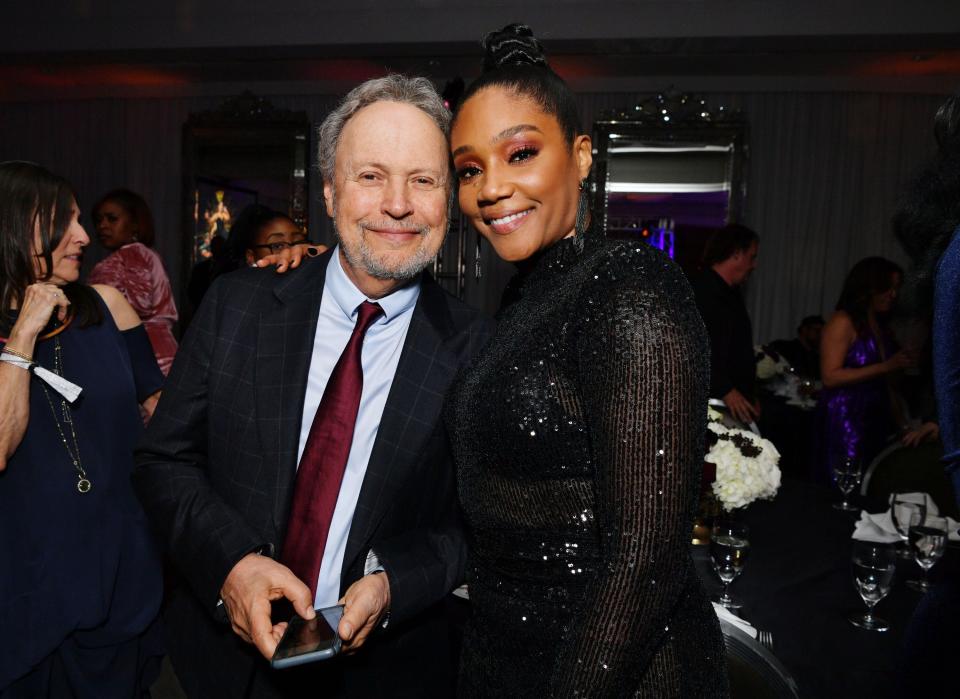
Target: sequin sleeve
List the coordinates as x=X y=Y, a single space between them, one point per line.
x=642 y=357
x=946 y=357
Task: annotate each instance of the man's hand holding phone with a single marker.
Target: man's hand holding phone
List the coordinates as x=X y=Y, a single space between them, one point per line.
x=251 y=585
x=365 y=604
x=357 y=614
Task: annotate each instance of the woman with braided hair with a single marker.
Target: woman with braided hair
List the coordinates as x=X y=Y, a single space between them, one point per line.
x=579 y=431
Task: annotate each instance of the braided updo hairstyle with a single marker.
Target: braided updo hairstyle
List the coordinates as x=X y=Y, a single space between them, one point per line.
x=514 y=60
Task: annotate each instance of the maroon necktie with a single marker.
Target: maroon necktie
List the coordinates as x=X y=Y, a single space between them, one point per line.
x=325 y=457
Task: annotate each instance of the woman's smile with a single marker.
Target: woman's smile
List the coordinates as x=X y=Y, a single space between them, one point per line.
x=508 y=223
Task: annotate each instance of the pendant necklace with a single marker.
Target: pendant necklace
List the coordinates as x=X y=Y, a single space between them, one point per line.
x=83 y=483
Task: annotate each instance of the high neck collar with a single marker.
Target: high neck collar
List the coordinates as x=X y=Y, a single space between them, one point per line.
x=549 y=264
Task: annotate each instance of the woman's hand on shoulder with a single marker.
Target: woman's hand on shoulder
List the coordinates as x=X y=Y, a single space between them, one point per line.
x=121 y=310
x=291 y=257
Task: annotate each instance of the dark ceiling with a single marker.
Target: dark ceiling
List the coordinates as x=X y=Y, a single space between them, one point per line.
x=929 y=62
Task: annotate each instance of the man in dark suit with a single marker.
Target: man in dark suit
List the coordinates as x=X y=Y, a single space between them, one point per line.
x=235 y=469
x=803 y=351
x=728 y=259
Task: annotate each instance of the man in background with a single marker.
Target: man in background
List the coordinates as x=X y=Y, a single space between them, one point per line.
x=803 y=352
x=729 y=258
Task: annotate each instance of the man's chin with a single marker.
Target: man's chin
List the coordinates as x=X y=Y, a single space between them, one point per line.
x=394 y=265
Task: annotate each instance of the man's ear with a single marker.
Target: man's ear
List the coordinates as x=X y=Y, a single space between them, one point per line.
x=328 y=198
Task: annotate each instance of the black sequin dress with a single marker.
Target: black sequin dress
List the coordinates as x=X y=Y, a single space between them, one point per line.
x=579 y=443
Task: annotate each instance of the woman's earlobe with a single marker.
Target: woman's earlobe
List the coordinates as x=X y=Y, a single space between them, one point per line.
x=583 y=147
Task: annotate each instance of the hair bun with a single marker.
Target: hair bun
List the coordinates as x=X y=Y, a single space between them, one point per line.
x=515 y=44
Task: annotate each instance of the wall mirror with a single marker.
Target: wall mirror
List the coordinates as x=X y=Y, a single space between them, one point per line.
x=670 y=170
x=245 y=152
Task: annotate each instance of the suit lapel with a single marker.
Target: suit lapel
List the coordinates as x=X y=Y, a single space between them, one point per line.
x=410 y=416
x=285 y=337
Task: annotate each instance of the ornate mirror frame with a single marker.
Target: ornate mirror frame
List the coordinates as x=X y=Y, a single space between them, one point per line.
x=672 y=120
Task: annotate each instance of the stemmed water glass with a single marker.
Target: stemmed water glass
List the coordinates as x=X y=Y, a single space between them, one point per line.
x=729 y=546
x=928 y=540
x=873 y=567
x=903 y=512
x=847 y=475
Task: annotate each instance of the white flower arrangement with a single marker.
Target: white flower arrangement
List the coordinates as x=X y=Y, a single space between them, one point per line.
x=780 y=379
x=769 y=363
x=746 y=465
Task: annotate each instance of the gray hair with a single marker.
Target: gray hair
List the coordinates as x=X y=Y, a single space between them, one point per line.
x=417 y=92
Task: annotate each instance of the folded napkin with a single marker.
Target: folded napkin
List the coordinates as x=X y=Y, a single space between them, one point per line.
x=725 y=614
x=879 y=528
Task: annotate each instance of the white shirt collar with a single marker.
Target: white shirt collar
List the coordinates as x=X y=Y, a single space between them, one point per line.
x=348 y=297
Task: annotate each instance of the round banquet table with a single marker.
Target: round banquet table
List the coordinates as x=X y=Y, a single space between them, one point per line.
x=798 y=584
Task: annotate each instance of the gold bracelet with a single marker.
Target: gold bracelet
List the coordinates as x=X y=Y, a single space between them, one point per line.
x=15 y=353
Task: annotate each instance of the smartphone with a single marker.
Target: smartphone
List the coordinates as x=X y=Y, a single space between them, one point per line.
x=309 y=640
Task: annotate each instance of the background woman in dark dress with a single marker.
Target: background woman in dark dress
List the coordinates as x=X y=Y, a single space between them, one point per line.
x=579 y=431
x=80 y=582
x=858 y=354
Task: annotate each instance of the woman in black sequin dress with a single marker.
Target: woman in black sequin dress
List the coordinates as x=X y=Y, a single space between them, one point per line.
x=579 y=431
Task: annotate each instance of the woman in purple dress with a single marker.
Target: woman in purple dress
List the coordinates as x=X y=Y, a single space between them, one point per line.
x=857 y=355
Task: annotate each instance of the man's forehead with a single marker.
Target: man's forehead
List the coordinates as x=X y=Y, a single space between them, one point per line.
x=391 y=128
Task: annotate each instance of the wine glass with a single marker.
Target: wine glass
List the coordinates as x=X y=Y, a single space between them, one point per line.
x=873 y=567
x=847 y=476
x=928 y=540
x=729 y=546
x=902 y=512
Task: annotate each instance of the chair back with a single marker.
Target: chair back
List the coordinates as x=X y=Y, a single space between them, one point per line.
x=754 y=672
x=900 y=469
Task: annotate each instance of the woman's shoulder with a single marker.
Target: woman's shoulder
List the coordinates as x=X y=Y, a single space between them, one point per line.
x=132 y=254
x=631 y=267
x=840 y=319
x=124 y=317
x=139 y=251
x=840 y=324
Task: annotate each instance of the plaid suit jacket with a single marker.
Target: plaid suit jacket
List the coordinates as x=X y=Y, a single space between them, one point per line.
x=216 y=467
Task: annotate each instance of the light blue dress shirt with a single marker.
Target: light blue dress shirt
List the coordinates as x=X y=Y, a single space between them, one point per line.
x=379 y=358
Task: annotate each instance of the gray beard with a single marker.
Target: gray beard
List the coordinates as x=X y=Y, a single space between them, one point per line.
x=379 y=266
x=361 y=256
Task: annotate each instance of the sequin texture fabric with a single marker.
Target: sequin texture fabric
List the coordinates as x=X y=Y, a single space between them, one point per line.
x=856 y=420
x=579 y=443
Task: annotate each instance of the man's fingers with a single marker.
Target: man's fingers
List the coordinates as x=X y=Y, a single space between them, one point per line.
x=353 y=618
x=262 y=630
x=277 y=633
x=299 y=595
x=357 y=613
